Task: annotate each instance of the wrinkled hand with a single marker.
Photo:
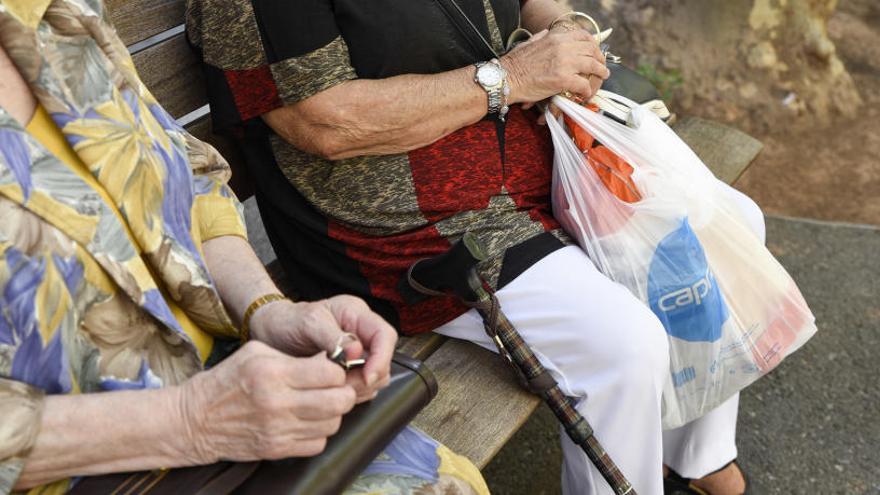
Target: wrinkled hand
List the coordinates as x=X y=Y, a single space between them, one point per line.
x=263 y=404
x=302 y=329
x=553 y=62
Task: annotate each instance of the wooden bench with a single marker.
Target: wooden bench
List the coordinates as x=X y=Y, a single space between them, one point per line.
x=480 y=406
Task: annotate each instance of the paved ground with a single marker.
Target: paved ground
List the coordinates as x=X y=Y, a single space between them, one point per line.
x=813 y=425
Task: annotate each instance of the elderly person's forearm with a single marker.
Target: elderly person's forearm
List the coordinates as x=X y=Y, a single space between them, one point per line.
x=402 y=113
x=381 y=117
x=239 y=275
x=257 y=404
x=109 y=432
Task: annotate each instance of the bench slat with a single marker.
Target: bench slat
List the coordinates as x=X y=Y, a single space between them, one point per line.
x=420 y=346
x=479 y=406
x=137 y=20
x=727 y=152
x=174 y=75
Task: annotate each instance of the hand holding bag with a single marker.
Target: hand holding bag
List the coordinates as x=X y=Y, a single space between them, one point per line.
x=365 y=431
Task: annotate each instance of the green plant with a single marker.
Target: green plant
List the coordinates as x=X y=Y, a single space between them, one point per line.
x=666 y=82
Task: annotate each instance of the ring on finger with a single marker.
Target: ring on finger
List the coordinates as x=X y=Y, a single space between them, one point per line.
x=573 y=97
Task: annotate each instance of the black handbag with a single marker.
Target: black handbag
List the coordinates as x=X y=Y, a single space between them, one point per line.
x=365 y=431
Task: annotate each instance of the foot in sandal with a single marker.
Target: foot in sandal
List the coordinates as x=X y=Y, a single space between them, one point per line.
x=729 y=480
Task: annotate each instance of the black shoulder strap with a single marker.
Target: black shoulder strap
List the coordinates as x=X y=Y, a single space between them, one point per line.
x=482 y=50
x=467 y=29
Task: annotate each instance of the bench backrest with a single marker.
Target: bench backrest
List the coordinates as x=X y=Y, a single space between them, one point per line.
x=153 y=31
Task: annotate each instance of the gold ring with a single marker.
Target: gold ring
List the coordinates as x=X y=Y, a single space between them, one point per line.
x=571 y=96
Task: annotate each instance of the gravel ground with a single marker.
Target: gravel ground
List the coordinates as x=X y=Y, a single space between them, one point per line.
x=813 y=425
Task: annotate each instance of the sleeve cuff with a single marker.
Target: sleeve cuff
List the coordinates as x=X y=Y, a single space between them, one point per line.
x=298 y=78
x=21 y=407
x=218 y=216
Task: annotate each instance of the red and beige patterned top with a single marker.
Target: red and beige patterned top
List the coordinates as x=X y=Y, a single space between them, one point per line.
x=355 y=225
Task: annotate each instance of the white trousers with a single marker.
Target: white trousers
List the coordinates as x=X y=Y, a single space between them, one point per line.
x=607 y=347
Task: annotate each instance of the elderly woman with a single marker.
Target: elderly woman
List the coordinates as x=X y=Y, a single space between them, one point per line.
x=123 y=265
x=380 y=131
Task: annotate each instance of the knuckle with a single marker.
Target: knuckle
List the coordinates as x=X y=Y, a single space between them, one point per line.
x=259 y=371
x=338 y=375
x=312 y=313
x=313 y=447
x=334 y=425
x=248 y=349
x=313 y=316
x=352 y=301
x=385 y=381
x=331 y=373
x=344 y=400
x=274 y=448
x=335 y=376
x=319 y=372
x=561 y=81
x=251 y=348
x=349 y=398
x=264 y=440
x=252 y=377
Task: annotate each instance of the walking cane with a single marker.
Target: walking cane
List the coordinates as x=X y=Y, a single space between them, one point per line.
x=455 y=272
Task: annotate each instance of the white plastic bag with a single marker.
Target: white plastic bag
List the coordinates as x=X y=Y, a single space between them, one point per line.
x=731 y=311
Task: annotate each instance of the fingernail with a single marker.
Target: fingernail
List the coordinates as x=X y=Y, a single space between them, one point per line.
x=372 y=378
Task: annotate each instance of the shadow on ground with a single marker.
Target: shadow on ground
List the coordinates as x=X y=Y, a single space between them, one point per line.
x=813 y=425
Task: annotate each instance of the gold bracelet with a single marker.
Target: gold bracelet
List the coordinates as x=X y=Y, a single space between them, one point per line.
x=252 y=308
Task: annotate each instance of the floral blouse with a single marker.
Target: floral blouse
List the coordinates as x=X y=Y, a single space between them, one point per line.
x=103 y=285
x=97 y=274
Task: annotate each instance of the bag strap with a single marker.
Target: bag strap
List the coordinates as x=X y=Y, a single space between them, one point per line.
x=479 y=44
x=230 y=479
x=482 y=48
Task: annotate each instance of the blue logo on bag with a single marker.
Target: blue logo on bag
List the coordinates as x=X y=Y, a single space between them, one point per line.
x=682 y=291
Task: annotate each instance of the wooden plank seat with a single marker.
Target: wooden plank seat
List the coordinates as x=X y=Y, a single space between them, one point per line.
x=480 y=405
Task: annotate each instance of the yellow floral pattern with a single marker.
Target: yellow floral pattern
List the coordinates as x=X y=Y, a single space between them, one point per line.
x=99 y=262
x=101 y=259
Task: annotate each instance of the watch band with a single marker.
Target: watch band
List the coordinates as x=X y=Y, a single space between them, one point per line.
x=497 y=94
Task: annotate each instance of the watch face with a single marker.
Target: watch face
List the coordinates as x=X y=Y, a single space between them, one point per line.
x=489 y=75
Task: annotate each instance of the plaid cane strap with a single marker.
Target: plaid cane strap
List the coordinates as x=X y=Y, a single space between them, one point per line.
x=538 y=380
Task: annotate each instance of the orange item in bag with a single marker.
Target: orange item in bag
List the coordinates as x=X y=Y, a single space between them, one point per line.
x=614 y=172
